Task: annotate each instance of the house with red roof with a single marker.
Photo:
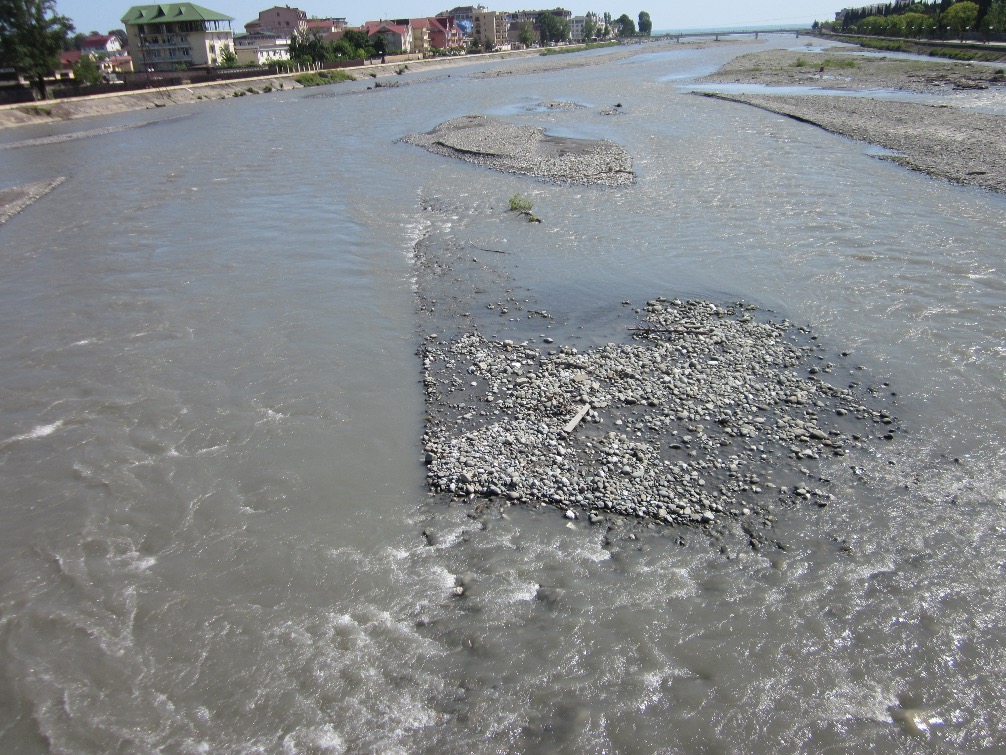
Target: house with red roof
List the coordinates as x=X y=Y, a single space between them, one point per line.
x=101 y=44
x=435 y=32
x=397 y=35
x=67 y=60
x=445 y=33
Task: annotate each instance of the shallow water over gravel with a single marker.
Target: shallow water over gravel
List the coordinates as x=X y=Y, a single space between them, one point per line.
x=211 y=468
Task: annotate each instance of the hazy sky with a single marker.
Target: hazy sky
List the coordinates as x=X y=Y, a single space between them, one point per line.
x=102 y=15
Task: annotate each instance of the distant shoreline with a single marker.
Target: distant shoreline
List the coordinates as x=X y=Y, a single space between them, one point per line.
x=71 y=108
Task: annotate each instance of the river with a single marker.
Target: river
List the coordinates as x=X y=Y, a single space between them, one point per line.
x=211 y=411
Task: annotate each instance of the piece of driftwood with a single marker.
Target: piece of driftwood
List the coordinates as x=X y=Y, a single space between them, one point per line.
x=571 y=425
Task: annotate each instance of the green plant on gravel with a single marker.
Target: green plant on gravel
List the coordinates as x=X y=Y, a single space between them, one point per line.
x=836 y=63
x=801 y=62
x=522 y=205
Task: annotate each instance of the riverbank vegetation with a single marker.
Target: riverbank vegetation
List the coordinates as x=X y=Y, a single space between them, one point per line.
x=320 y=78
x=578 y=48
x=938 y=19
x=31 y=38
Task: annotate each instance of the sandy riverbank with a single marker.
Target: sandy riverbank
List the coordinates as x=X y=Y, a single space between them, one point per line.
x=845 y=69
x=952 y=143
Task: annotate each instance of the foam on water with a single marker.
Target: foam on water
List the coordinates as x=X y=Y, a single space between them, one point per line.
x=39 y=431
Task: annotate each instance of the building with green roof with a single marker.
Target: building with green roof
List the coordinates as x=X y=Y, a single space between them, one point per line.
x=173 y=36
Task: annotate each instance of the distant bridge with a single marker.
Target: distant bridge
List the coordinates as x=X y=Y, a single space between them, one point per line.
x=738 y=32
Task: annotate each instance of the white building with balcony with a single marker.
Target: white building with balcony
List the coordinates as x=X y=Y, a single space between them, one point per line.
x=176 y=36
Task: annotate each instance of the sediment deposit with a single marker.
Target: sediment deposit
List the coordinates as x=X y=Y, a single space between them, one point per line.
x=510 y=148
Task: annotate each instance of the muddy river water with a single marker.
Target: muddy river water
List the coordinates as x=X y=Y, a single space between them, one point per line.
x=211 y=410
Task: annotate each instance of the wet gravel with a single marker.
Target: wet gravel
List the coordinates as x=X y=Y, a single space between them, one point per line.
x=846 y=68
x=708 y=413
x=17 y=198
x=525 y=150
x=961 y=146
x=958 y=144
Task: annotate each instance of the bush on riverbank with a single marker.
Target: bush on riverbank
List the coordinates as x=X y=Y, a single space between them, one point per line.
x=320 y=78
x=966 y=53
x=578 y=48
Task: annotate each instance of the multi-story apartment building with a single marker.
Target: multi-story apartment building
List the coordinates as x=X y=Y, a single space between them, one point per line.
x=519 y=19
x=172 y=36
x=279 y=20
x=491 y=29
x=463 y=14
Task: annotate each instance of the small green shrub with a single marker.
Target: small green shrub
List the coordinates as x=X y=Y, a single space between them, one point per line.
x=801 y=62
x=576 y=48
x=520 y=203
x=267 y=88
x=320 y=78
x=839 y=63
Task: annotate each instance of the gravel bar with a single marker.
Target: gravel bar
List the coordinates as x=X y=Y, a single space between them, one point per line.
x=961 y=146
x=709 y=413
x=524 y=150
x=847 y=69
x=16 y=198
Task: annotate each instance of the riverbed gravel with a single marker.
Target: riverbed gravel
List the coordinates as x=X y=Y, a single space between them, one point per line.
x=708 y=413
x=526 y=150
x=17 y=198
x=962 y=146
x=955 y=143
x=847 y=68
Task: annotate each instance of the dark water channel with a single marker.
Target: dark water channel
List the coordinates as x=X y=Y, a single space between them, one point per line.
x=211 y=410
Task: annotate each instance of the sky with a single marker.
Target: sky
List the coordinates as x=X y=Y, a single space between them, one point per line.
x=104 y=15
